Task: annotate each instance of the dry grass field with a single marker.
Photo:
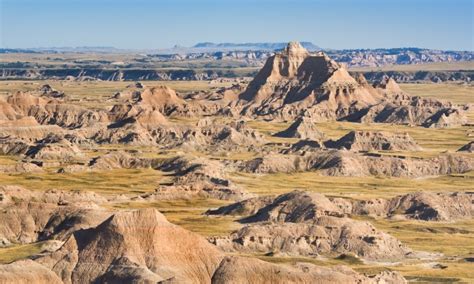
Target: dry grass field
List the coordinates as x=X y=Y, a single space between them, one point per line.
x=455 y=240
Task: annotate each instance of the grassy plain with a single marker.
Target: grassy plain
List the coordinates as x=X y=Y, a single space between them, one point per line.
x=455 y=240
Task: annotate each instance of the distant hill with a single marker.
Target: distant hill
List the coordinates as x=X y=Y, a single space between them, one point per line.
x=16 y=50
x=78 y=49
x=253 y=46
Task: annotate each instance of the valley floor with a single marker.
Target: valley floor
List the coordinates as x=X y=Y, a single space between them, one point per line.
x=455 y=240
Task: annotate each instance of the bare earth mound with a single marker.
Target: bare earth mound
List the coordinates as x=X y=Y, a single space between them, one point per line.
x=309 y=224
x=369 y=141
x=302 y=128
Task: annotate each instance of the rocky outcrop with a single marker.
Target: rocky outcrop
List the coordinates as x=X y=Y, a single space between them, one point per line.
x=309 y=224
x=29 y=216
x=245 y=207
x=35 y=273
x=142 y=246
x=134 y=245
x=117 y=160
x=370 y=141
x=298 y=206
x=404 y=109
x=196 y=177
x=296 y=82
x=13 y=146
x=326 y=235
x=302 y=128
x=55 y=147
x=346 y=163
x=469 y=147
x=48 y=91
x=234 y=269
x=53 y=111
x=428 y=206
x=20 y=167
x=304 y=146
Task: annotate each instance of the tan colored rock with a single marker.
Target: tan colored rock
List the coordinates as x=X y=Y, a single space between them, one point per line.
x=302 y=128
x=296 y=82
x=55 y=147
x=247 y=270
x=298 y=206
x=346 y=163
x=197 y=177
x=20 y=167
x=325 y=235
x=428 y=206
x=370 y=141
x=27 y=271
x=144 y=242
x=53 y=111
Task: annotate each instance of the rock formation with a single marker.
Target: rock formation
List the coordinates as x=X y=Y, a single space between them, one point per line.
x=142 y=246
x=426 y=206
x=197 y=177
x=53 y=111
x=310 y=224
x=54 y=147
x=469 y=147
x=346 y=163
x=247 y=270
x=302 y=128
x=296 y=82
x=370 y=141
x=29 y=216
x=298 y=206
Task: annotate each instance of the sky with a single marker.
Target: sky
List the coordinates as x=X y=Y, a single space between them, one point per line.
x=154 y=24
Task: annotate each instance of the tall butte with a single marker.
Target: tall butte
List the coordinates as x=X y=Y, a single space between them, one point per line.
x=296 y=82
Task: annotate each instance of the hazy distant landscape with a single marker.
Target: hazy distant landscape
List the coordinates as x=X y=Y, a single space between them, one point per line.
x=208 y=61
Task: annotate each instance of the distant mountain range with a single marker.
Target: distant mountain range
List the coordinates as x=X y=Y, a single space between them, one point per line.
x=77 y=49
x=255 y=54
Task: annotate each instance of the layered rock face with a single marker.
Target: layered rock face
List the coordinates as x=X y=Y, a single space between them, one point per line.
x=296 y=82
x=141 y=246
x=309 y=224
x=197 y=177
x=247 y=270
x=29 y=216
x=368 y=141
x=345 y=163
x=302 y=128
x=426 y=206
x=53 y=111
x=298 y=206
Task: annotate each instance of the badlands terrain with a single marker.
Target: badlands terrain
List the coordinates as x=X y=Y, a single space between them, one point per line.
x=304 y=173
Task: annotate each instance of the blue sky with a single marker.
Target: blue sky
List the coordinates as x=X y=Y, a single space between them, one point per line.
x=440 y=24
